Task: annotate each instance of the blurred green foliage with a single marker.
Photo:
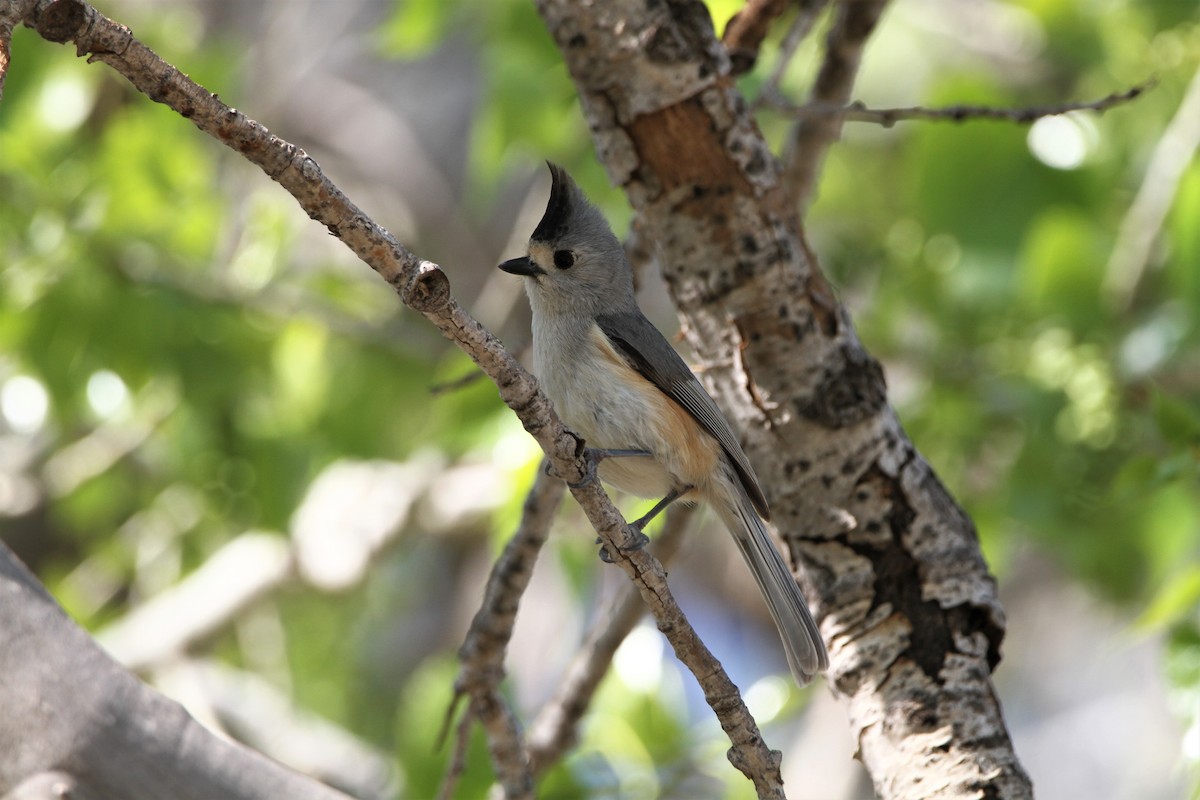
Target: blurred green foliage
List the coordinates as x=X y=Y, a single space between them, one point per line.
x=167 y=306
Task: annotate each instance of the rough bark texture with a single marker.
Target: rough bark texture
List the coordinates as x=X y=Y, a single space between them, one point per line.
x=424 y=287
x=909 y=608
x=907 y=604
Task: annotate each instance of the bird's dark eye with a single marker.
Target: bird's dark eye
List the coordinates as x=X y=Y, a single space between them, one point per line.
x=564 y=259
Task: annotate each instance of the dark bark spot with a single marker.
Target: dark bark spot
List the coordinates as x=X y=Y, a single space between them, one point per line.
x=898 y=583
x=975 y=618
x=756 y=165
x=785 y=250
x=741 y=61
x=793 y=467
x=849 y=393
x=666 y=46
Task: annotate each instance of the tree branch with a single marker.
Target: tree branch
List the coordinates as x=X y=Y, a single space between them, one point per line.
x=424 y=287
x=746 y=30
x=806 y=17
x=905 y=599
x=481 y=657
x=75 y=718
x=853 y=23
x=887 y=117
x=555 y=730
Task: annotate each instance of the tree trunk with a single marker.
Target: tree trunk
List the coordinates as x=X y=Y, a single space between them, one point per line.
x=906 y=601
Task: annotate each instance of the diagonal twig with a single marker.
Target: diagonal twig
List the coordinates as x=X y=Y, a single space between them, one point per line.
x=854 y=21
x=746 y=30
x=802 y=25
x=458 y=758
x=887 y=117
x=481 y=657
x=554 y=731
x=423 y=286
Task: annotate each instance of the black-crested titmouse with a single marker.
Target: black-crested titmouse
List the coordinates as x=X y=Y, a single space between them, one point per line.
x=617 y=382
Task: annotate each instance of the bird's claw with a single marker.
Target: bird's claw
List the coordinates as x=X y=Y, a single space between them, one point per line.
x=592 y=456
x=632 y=532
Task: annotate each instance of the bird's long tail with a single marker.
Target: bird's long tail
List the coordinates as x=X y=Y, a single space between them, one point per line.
x=802 y=642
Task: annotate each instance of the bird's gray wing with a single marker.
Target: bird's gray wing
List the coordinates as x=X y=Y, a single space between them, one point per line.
x=645 y=349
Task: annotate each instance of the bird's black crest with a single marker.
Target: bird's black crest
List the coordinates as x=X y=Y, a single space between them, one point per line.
x=558 y=209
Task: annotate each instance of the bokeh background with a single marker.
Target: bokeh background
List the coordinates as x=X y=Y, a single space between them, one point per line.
x=231 y=454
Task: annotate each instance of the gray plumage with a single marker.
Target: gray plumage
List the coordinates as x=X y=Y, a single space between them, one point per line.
x=616 y=381
x=654 y=358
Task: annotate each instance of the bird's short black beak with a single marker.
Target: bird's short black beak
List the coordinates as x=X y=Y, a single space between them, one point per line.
x=521 y=266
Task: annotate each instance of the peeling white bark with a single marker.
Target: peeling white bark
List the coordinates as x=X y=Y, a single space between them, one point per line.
x=908 y=607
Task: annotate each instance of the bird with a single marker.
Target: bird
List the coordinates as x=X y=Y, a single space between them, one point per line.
x=654 y=431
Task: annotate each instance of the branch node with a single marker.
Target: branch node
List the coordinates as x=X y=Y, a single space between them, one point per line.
x=429 y=290
x=61 y=21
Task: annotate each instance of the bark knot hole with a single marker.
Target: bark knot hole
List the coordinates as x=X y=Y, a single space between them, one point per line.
x=429 y=290
x=62 y=21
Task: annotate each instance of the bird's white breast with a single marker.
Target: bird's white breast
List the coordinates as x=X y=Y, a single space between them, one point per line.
x=599 y=396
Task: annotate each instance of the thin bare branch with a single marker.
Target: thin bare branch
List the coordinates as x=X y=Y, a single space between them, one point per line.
x=505 y=744
x=481 y=657
x=802 y=25
x=455 y=384
x=887 y=117
x=458 y=759
x=482 y=653
x=853 y=23
x=424 y=287
x=1143 y=222
x=746 y=30
x=555 y=730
